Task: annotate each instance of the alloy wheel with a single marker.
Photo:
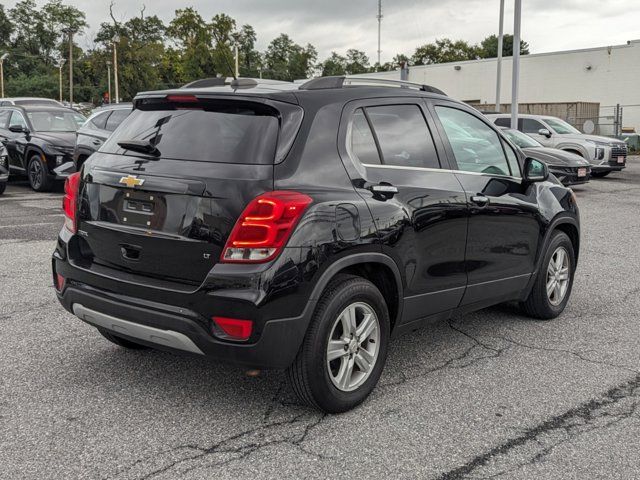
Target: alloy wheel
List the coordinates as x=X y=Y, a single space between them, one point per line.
x=558 y=276
x=35 y=173
x=353 y=346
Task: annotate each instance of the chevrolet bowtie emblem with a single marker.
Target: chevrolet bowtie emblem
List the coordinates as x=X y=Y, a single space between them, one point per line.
x=131 y=181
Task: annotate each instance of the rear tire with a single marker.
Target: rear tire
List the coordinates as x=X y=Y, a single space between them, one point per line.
x=553 y=283
x=122 y=342
x=38 y=174
x=599 y=174
x=345 y=348
x=3 y=187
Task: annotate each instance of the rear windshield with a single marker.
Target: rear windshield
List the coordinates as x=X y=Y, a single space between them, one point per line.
x=212 y=131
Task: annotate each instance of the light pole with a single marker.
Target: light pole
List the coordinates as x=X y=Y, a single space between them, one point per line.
x=116 y=39
x=60 y=64
x=2 y=59
x=517 y=16
x=499 y=72
x=70 y=31
x=109 y=80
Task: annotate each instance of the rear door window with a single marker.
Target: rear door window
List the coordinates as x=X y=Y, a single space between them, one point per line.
x=115 y=119
x=529 y=125
x=403 y=136
x=99 y=121
x=221 y=131
x=503 y=122
x=363 y=144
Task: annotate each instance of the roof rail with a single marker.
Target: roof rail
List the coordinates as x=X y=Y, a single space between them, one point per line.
x=342 y=81
x=241 y=82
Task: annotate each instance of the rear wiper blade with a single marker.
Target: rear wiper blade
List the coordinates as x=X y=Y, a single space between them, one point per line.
x=140 y=146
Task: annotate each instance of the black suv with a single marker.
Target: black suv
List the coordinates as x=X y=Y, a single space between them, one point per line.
x=39 y=139
x=301 y=227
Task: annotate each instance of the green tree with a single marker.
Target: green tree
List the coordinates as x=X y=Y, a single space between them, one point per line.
x=286 y=60
x=335 y=65
x=6 y=29
x=489 y=46
x=357 y=62
x=223 y=35
x=194 y=38
x=445 y=50
x=250 y=59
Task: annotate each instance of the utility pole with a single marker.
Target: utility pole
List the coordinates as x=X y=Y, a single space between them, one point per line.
x=70 y=31
x=379 y=17
x=2 y=59
x=116 y=39
x=499 y=68
x=237 y=70
x=109 y=80
x=517 y=19
x=60 y=64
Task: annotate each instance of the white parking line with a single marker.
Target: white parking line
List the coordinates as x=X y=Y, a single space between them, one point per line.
x=29 y=224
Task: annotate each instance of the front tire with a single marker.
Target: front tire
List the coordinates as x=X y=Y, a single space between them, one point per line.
x=37 y=171
x=554 y=281
x=345 y=348
x=3 y=186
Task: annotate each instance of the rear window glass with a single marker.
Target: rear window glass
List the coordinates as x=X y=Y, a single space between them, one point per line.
x=215 y=131
x=116 y=119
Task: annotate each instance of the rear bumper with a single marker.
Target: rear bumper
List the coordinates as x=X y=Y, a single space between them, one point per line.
x=181 y=331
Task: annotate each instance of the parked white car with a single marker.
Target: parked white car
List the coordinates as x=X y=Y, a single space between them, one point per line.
x=605 y=154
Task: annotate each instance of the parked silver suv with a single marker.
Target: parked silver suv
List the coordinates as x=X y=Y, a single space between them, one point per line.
x=605 y=154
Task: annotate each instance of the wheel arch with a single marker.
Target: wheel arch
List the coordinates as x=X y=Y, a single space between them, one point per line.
x=564 y=223
x=378 y=268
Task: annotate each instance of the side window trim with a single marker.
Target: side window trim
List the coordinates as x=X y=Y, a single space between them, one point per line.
x=374 y=134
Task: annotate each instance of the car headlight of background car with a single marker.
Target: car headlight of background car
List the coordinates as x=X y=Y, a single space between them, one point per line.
x=54 y=152
x=4 y=161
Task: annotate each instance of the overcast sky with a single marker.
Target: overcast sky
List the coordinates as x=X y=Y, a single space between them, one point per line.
x=548 y=25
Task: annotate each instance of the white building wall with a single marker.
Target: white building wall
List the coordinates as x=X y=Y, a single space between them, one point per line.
x=614 y=77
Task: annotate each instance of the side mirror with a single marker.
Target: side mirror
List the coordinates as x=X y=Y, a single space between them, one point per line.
x=535 y=170
x=544 y=132
x=18 y=129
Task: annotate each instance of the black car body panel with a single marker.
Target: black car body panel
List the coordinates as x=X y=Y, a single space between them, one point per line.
x=429 y=248
x=54 y=147
x=569 y=168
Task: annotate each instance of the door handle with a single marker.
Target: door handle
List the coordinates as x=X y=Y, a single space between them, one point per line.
x=480 y=200
x=383 y=189
x=97 y=142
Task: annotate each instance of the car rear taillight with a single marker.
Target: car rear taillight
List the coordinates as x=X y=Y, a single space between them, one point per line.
x=59 y=282
x=70 y=201
x=234 y=328
x=264 y=227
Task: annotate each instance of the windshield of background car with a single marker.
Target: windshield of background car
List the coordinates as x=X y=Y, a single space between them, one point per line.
x=55 y=121
x=220 y=131
x=561 y=127
x=520 y=139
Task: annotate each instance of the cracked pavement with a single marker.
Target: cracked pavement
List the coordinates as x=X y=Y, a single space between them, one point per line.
x=492 y=394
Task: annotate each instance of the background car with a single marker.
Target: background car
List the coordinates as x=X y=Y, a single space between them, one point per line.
x=22 y=101
x=569 y=168
x=4 y=169
x=38 y=139
x=98 y=127
x=605 y=154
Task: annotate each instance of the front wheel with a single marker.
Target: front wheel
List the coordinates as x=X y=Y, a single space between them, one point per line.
x=37 y=171
x=345 y=348
x=3 y=186
x=552 y=287
x=599 y=174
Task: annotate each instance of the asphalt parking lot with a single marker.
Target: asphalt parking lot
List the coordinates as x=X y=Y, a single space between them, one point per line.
x=491 y=394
